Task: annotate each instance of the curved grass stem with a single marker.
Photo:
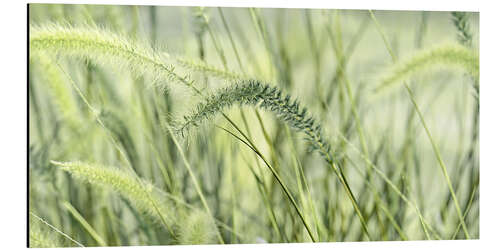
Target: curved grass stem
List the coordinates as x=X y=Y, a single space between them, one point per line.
x=95 y=113
x=195 y=181
x=424 y=124
x=441 y=162
x=276 y=176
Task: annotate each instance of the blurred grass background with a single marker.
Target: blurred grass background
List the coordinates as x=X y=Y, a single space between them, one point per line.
x=296 y=50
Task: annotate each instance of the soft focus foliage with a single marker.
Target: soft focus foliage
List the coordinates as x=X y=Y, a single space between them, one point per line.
x=155 y=125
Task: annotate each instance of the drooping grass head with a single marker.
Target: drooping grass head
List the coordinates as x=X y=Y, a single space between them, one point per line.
x=256 y=94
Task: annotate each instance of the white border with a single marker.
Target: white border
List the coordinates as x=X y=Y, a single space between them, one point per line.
x=13 y=117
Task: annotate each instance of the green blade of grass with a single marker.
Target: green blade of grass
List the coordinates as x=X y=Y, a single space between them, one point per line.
x=84 y=224
x=424 y=124
x=276 y=176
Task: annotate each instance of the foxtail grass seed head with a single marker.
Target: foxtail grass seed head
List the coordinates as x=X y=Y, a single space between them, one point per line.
x=140 y=195
x=197 y=228
x=187 y=135
x=256 y=94
x=461 y=22
x=59 y=90
x=106 y=48
x=448 y=56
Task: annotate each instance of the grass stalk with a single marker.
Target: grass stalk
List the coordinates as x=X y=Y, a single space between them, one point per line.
x=95 y=113
x=424 y=124
x=84 y=224
x=56 y=230
x=194 y=180
x=276 y=176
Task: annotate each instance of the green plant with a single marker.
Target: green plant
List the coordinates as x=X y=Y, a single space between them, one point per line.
x=193 y=227
x=123 y=183
x=254 y=93
x=104 y=47
x=41 y=237
x=61 y=95
x=461 y=22
x=445 y=55
x=122 y=86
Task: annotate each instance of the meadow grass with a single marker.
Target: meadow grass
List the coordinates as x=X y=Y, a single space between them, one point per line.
x=354 y=168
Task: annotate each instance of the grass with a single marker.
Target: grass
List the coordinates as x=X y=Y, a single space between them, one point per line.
x=446 y=55
x=458 y=56
x=246 y=125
